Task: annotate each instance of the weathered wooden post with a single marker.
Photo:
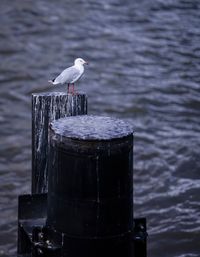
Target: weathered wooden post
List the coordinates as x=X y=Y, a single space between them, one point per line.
x=90 y=197
x=32 y=208
x=47 y=107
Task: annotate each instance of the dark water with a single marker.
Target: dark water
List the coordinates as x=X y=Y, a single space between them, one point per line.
x=144 y=67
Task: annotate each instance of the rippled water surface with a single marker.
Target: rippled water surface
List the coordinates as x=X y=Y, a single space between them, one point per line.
x=144 y=67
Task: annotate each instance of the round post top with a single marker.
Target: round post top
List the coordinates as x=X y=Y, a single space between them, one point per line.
x=89 y=127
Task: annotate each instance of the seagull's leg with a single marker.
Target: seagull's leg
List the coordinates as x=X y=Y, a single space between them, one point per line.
x=74 y=91
x=70 y=89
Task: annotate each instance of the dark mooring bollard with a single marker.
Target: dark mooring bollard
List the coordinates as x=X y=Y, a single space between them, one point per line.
x=47 y=107
x=90 y=197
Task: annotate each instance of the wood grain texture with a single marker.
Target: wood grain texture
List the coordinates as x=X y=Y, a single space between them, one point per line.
x=47 y=107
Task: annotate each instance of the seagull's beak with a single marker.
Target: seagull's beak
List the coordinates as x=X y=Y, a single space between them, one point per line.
x=86 y=63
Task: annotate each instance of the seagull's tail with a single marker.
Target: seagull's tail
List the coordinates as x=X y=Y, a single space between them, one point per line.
x=52 y=82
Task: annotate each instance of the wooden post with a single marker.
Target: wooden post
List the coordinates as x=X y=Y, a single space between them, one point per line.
x=90 y=196
x=47 y=107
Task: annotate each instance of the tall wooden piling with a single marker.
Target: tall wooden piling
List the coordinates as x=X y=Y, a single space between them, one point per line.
x=47 y=107
x=90 y=197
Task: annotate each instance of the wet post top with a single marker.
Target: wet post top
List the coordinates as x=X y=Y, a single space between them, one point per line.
x=46 y=107
x=90 y=196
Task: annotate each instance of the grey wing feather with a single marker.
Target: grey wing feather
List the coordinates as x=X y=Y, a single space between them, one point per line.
x=68 y=75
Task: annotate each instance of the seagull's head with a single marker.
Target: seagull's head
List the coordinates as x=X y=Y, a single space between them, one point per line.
x=80 y=61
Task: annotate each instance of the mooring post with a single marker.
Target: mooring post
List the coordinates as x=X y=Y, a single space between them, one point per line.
x=90 y=196
x=47 y=107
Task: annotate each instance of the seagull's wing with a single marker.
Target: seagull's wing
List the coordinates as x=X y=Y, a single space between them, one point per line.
x=68 y=75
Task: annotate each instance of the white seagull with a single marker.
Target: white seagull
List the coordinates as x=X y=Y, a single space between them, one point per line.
x=70 y=75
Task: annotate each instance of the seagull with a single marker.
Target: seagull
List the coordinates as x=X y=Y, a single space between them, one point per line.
x=70 y=75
